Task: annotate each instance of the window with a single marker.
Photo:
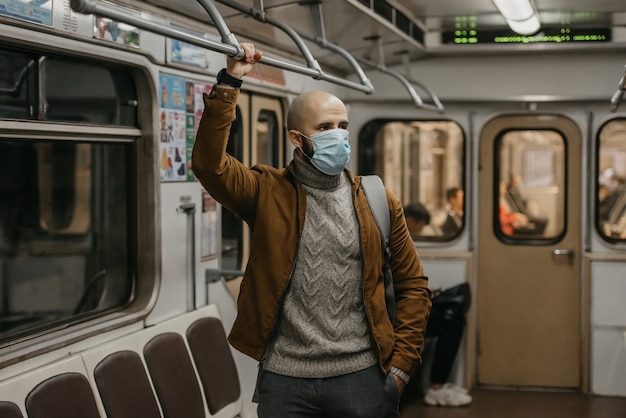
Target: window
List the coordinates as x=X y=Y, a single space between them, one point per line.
x=65 y=236
x=530 y=184
x=71 y=91
x=611 y=181
x=18 y=85
x=68 y=230
x=267 y=138
x=422 y=163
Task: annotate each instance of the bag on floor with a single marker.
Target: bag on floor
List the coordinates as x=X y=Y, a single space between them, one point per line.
x=452 y=303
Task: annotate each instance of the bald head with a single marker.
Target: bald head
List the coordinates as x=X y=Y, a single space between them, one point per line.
x=311 y=104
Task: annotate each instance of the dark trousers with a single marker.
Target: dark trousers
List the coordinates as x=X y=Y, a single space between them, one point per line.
x=367 y=393
x=449 y=333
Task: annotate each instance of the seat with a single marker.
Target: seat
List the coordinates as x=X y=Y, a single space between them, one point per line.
x=67 y=395
x=124 y=386
x=173 y=376
x=10 y=410
x=214 y=362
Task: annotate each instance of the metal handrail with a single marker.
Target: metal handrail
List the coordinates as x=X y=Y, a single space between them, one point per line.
x=189 y=209
x=408 y=84
x=321 y=41
x=617 y=97
x=215 y=275
x=306 y=53
x=365 y=85
x=229 y=44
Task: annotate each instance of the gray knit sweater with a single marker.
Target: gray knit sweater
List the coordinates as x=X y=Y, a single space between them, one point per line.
x=322 y=329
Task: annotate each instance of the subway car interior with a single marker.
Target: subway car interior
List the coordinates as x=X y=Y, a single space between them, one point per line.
x=504 y=120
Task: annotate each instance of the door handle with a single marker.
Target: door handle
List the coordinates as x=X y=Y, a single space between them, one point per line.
x=559 y=252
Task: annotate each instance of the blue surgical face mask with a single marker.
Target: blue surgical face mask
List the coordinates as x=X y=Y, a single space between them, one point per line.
x=331 y=150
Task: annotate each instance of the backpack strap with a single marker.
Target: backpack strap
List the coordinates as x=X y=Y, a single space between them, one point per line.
x=377 y=200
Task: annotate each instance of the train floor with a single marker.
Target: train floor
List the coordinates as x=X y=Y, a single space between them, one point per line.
x=520 y=404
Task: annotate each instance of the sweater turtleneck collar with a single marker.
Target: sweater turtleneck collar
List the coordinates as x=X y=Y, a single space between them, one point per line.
x=310 y=176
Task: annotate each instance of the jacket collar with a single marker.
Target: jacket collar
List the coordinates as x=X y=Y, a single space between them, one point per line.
x=291 y=170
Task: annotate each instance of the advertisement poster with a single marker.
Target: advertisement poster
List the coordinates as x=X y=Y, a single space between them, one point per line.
x=173 y=135
x=37 y=11
x=113 y=31
x=209 y=227
x=194 y=107
x=199 y=90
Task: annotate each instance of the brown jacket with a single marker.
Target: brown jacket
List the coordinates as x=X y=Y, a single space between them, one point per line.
x=273 y=203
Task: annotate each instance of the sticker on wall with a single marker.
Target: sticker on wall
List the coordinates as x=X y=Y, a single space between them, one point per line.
x=184 y=53
x=194 y=107
x=121 y=33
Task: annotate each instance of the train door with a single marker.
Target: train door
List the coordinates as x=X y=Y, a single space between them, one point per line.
x=529 y=240
x=257 y=137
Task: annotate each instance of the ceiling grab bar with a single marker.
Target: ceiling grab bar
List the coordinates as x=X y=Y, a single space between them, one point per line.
x=617 y=97
x=408 y=84
x=433 y=96
x=297 y=37
x=261 y=17
x=125 y=15
x=227 y=36
x=321 y=41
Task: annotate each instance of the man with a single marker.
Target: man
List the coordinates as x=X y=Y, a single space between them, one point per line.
x=312 y=308
x=454 y=222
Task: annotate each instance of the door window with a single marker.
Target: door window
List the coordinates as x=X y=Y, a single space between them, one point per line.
x=267 y=138
x=529 y=185
x=611 y=182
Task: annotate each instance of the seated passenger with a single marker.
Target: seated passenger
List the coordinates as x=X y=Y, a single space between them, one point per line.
x=418 y=220
x=510 y=221
x=454 y=221
x=519 y=204
x=449 y=332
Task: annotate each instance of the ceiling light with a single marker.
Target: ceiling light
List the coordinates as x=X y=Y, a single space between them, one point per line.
x=520 y=15
x=529 y=26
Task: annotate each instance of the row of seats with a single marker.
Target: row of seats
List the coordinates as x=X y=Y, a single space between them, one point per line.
x=180 y=368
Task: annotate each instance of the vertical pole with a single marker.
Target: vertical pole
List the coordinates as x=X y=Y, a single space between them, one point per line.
x=190 y=210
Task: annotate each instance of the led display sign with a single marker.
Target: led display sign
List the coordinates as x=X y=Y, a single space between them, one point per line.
x=470 y=36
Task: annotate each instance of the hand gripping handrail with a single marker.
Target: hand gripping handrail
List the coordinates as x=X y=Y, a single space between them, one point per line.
x=228 y=45
x=364 y=86
x=617 y=97
x=306 y=53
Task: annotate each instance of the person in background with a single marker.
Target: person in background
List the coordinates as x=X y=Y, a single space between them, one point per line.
x=510 y=221
x=517 y=203
x=312 y=305
x=417 y=218
x=514 y=196
x=454 y=222
x=448 y=331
